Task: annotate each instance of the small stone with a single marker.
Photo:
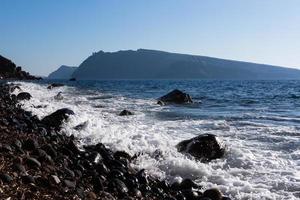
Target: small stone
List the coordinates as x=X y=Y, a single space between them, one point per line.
x=69 y=173
x=6 y=178
x=50 y=150
x=91 y=196
x=97 y=183
x=42 y=181
x=33 y=162
x=31 y=144
x=19 y=167
x=70 y=184
x=6 y=148
x=18 y=144
x=136 y=193
x=28 y=179
x=54 y=179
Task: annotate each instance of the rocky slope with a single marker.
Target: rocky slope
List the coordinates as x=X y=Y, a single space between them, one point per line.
x=63 y=72
x=152 y=64
x=9 y=70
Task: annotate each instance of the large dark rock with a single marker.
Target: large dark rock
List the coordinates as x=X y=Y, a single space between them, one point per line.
x=125 y=113
x=55 y=119
x=176 y=96
x=23 y=96
x=203 y=147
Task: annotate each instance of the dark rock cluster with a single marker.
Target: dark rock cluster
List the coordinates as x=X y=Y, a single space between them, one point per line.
x=37 y=162
x=9 y=70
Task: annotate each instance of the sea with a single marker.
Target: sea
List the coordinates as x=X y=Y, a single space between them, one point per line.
x=259 y=121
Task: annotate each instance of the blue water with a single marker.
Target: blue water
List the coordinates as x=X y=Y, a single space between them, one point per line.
x=259 y=121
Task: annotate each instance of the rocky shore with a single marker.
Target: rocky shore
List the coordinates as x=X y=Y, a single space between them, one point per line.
x=9 y=70
x=38 y=162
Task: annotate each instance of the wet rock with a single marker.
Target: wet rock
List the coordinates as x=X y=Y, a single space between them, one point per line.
x=203 y=147
x=6 y=148
x=115 y=173
x=213 y=194
x=54 y=179
x=28 y=179
x=126 y=113
x=42 y=181
x=73 y=147
x=106 y=196
x=176 y=96
x=136 y=193
x=116 y=185
x=19 y=168
x=122 y=154
x=81 y=126
x=132 y=182
x=69 y=173
x=188 y=184
x=97 y=184
x=18 y=144
x=13 y=88
x=101 y=168
x=6 y=178
x=72 y=79
x=143 y=177
x=23 y=96
x=91 y=196
x=70 y=184
x=32 y=162
x=55 y=119
x=190 y=194
x=50 y=150
x=31 y=144
x=59 y=96
x=53 y=85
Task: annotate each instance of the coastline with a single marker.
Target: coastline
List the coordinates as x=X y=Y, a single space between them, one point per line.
x=40 y=163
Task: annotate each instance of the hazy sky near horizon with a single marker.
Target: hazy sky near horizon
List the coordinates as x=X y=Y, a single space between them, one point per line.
x=42 y=35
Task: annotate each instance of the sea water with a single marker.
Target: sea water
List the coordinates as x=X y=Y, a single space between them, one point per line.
x=259 y=121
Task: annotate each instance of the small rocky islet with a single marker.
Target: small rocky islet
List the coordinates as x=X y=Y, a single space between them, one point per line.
x=38 y=161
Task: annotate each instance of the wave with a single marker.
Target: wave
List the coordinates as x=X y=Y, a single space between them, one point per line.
x=262 y=161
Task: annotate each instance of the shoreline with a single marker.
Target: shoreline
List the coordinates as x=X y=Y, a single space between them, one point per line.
x=37 y=162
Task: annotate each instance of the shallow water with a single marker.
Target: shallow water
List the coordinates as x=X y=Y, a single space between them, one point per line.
x=258 y=120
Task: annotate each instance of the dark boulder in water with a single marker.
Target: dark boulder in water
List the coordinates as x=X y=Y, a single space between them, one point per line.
x=213 y=194
x=72 y=79
x=53 y=85
x=59 y=96
x=81 y=126
x=55 y=119
x=126 y=113
x=176 y=96
x=23 y=96
x=203 y=147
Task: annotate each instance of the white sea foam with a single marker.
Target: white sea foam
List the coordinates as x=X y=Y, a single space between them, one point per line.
x=262 y=162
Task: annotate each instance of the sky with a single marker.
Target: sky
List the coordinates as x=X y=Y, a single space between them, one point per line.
x=41 y=35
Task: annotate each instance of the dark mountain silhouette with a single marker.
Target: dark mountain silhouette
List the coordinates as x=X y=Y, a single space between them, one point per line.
x=152 y=64
x=9 y=70
x=63 y=72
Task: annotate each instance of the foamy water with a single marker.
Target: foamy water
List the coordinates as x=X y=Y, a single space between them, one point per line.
x=263 y=158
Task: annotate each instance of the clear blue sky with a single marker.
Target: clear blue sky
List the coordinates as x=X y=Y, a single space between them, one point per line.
x=41 y=35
